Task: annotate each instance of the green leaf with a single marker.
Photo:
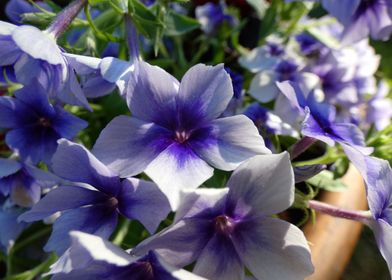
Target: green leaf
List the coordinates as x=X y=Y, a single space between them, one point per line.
x=325 y=180
x=323 y=37
x=96 y=2
x=177 y=24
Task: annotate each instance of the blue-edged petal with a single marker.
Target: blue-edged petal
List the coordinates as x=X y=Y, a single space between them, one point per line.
x=220 y=251
x=228 y=142
x=66 y=124
x=178 y=168
x=143 y=201
x=117 y=71
x=263 y=185
x=100 y=220
x=273 y=249
x=127 y=145
x=352 y=135
x=157 y=104
x=60 y=199
x=312 y=128
x=179 y=244
x=9 y=166
x=75 y=163
x=293 y=93
x=205 y=91
x=343 y=10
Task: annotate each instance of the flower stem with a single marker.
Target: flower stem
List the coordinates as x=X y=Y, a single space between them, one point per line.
x=356 y=215
x=301 y=146
x=64 y=18
x=132 y=37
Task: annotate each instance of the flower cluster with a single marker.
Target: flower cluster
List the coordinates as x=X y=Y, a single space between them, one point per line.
x=181 y=167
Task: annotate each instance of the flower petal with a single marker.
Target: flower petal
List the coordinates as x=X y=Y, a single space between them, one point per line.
x=127 y=145
x=178 y=168
x=229 y=142
x=99 y=220
x=204 y=94
x=9 y=166
x=179 y=244
x=263 y=185
x=220 y=252
x=75 y=163
x=263 y=86
x=157 y=104
x=60 y=199
x=273 y=249
x=143 y=201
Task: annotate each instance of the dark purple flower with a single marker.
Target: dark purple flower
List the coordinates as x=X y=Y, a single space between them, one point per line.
x=211 y=16
x=35 y=55
x=232 y=228
x=34 y=125
x=319 y=122
x=94 y=209
x=93 y=258
x=174 y=134
x=309 y=45
x=24 y=182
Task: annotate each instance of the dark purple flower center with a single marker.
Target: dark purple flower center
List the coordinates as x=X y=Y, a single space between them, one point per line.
x=275 y=49
x=224 y=224
x=44 y=122
x=286 y=70
x=365 y=5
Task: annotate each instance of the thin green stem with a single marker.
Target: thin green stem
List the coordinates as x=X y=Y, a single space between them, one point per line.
x=122 y=233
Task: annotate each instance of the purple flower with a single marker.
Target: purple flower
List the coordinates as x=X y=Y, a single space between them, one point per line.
x=309 y=45
x=232 y=228
x=263 y=85
x=94 y=208
x=174 y=134
x=34 y=125
x=35 y=55
x=211 y=16
x=93 y=258
x=379 y=110
x=319 y=122
x=24 y=182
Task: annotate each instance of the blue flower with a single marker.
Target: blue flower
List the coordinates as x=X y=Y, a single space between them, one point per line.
x=24 y=182
x=174 y=134
x=94 y=208
x=16 y=8
x=211 y=16
x=34 y=125
x=232 y=228
x=319 y=119
x=102 y=260
x=35 y=55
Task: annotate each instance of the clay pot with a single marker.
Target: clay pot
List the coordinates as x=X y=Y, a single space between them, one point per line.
x=333 y=240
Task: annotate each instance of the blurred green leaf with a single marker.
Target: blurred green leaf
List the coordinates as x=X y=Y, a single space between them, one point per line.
x=177 y=24
x=325 y=180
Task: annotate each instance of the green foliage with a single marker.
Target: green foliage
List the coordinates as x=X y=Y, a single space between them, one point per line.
x=325 y=180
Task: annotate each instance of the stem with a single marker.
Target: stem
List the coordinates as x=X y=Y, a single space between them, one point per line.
x=64 y=18
x=132 y=38
x=356 y=215
x=122 y=233
x=301 y=146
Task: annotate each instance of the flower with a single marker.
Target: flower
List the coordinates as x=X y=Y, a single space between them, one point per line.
x=102 y=260
x=379 y=110
x=319 y=119
x=34 y=125
x=35 y=55
x=232 y=228
x=24 y=182
x=174 y=134
x=211 y=16
x=16 y=8
x=94 y=209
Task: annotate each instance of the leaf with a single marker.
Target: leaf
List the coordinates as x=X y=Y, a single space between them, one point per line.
x=324 y=38
x=177 y=24
x=325 y=180
x=96 y=2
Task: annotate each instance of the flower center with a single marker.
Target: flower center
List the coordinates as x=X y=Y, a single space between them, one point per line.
x=113 y=202
x=44 y=122
x=181 y=136
x=224 y=225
